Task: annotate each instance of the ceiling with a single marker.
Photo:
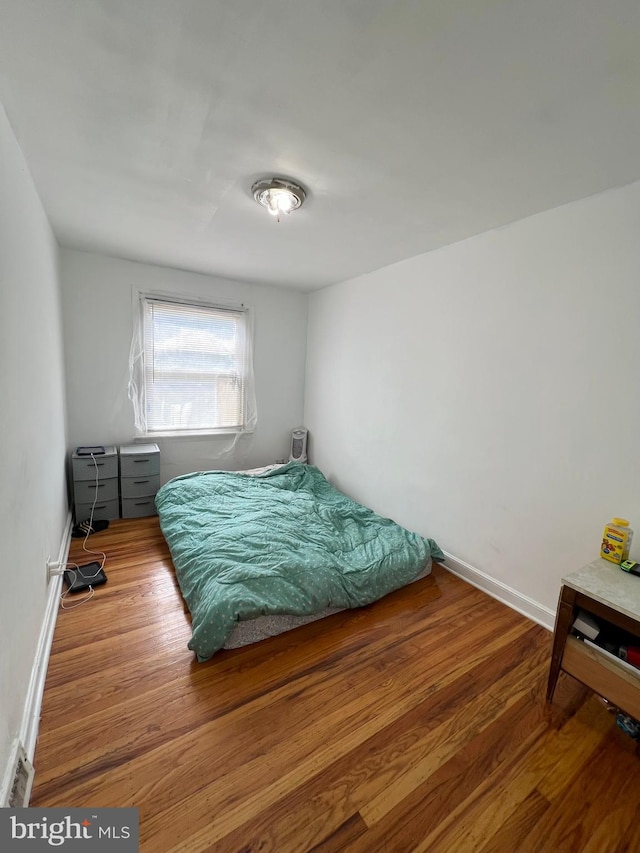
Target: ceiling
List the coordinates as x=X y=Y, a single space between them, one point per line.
x=412 y=124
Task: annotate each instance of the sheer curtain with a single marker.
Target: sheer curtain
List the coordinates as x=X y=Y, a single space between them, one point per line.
x=191 y=368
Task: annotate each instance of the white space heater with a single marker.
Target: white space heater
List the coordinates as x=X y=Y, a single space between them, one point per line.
x=298 y=445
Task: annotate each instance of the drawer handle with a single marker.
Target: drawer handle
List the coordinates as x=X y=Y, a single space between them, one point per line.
x=98 y=485
x=142 y=503
x=137 y=461
x=140 y=482
x=100 y=506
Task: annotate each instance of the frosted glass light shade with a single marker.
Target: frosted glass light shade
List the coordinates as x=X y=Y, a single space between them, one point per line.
x=278 y=195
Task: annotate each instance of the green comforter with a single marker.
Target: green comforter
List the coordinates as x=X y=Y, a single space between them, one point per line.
x=282 y=542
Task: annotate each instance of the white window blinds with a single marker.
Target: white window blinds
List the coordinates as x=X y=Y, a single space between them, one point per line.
x=195 y=375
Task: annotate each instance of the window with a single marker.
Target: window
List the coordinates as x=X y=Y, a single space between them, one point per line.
x=191 y=369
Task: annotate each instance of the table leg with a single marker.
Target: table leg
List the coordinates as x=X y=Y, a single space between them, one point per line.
x=564 y=620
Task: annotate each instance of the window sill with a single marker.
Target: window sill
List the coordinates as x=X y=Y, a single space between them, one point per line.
x=149 y=436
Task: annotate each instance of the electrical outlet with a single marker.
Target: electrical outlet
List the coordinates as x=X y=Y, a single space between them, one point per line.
x=53 y=568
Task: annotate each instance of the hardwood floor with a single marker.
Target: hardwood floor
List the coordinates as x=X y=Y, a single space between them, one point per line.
x=415 y=724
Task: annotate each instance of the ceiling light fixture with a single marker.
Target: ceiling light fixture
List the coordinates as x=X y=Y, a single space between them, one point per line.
x=278 y=195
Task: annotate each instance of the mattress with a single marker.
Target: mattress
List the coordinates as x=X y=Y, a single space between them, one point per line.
x=263 y=627
x=278 y=542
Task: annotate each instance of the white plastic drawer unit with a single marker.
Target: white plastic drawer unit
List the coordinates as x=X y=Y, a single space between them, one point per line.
x=86 y=490
x=102 y=511
x=95 y=485
x=139 y=479
x=139 y=487
x=138 y=507
x=139 y=459
x=87 y=467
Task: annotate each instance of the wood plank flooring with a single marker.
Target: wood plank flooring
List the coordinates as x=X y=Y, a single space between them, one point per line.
x=415 y=724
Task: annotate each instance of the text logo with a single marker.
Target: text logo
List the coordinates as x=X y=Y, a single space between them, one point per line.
x=35 y=829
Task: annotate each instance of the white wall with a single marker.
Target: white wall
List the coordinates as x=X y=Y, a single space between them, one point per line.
x=98 y=321
x=33 y=508
x=486 y=394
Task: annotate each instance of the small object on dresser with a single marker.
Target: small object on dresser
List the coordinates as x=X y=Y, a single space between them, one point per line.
x=586 y=625
x=631 y=654
x=630 y=566
x=96 y=450
x=616 y=541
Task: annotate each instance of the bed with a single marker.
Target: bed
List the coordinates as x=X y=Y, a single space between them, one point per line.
x=260 y=551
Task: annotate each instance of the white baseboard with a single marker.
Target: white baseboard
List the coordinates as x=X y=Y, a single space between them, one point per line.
x=506 y=594
x=28 y=735
x=33 y=704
